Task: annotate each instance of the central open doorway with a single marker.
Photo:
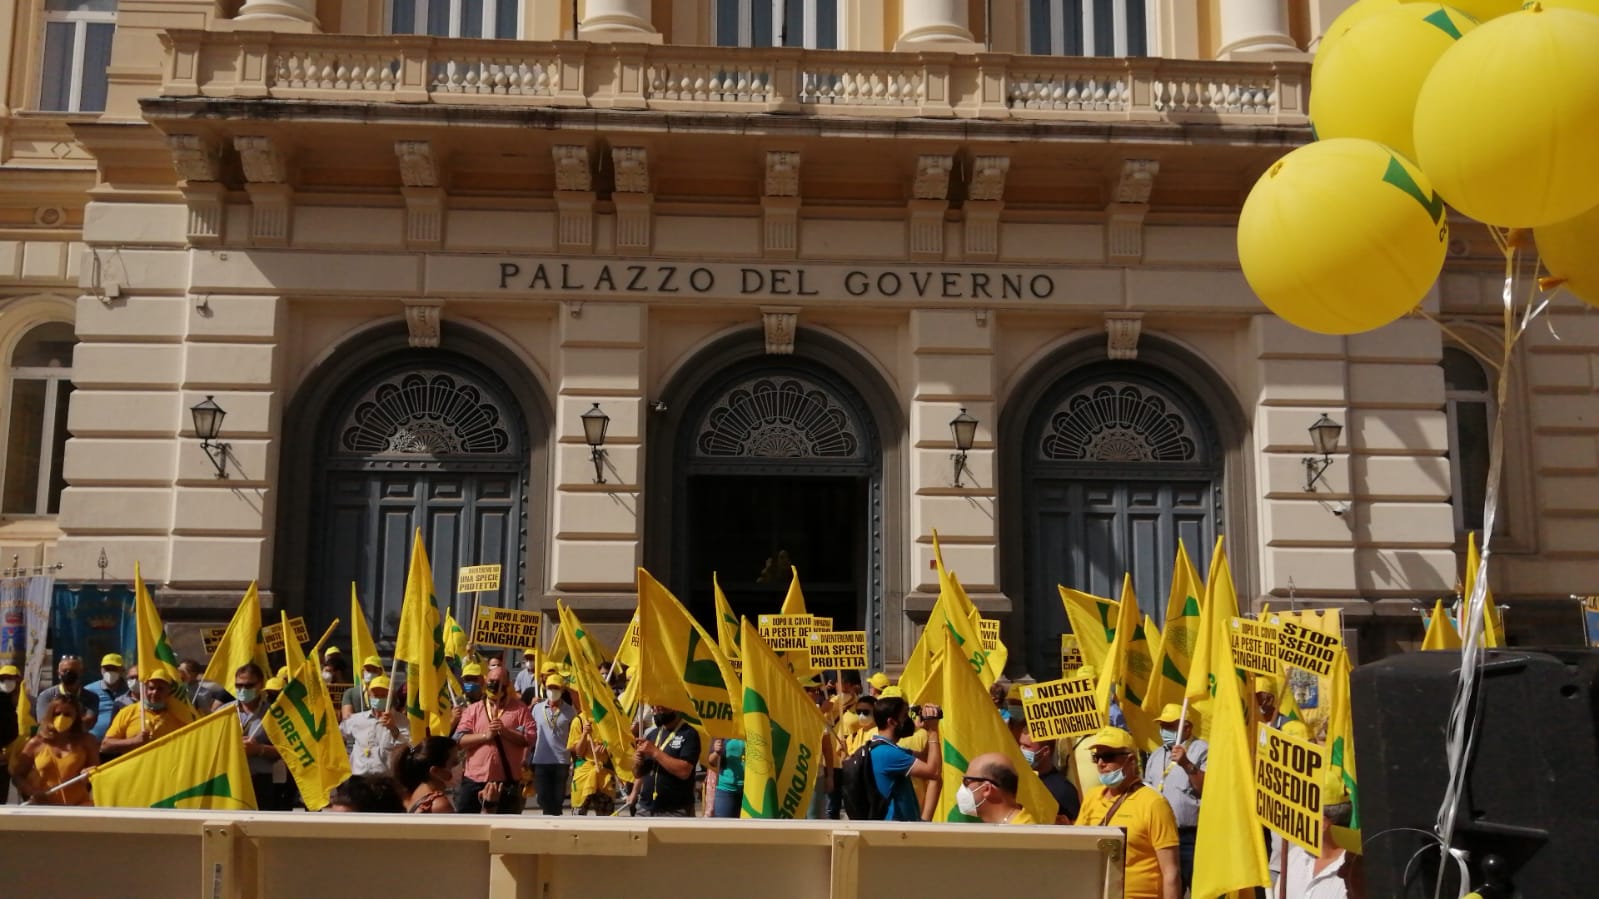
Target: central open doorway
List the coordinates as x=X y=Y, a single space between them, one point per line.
x=776 y=462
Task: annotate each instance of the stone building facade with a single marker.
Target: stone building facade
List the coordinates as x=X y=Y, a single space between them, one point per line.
x=407 y=245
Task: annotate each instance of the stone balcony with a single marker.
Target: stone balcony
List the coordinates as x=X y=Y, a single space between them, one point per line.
x=366 y=69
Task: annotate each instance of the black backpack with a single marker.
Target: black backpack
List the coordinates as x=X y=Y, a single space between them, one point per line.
x=862 y=800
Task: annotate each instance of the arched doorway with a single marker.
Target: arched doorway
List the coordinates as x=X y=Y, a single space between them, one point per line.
x=771 y=461
x=1119 y=461
x=399 y=440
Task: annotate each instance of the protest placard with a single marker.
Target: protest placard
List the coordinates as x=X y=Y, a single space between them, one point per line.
x=836 y=650
x=212 y=637
x=821 y=624
x=478 y=579
x=1071 y=653
x=272 y=634
x=506 y=628
x=1304 y=648
x=988 y=630
x=1255 y=645
x=784 y=632
x=1061 y=708
x=1288 y=773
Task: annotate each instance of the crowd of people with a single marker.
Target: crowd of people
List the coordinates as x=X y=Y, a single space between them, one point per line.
x=518 y=736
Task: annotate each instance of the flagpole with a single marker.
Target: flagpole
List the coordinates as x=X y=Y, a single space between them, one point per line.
x=316 y=650
x=58 y=787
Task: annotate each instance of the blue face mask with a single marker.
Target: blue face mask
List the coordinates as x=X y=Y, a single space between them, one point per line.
x=1168 y=735
x=1112 y=778
x=246 y=695
x=472 y=691
x=1030 y=756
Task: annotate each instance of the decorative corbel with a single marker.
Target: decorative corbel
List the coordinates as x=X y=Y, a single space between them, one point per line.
x=424 y=198
x=266 y=181
x=632 y=197
x=198 y=163
x=781 y=325
x=1124 y=224
x=929 y=202
x=1122 y=330
x=574 y=197
x=780 y=203
x=985 y=199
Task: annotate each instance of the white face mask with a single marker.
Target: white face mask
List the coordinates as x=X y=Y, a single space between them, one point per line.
x=111 y=678
x=553 y=694
x=8 y=686
x=527 y=664
x=367 y=676
x=966 y=801
x=327 y=676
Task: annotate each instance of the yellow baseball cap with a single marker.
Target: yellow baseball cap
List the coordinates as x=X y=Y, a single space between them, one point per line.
x=274 y=683
x=381 y=681
x=1172 y=712
x=332 y=651
x=1112 y=738
x=548 y=667
x=555 y=680
x=891 y=693
x=372 y=662
x=879 y=680
x=1266 y=683
x=161 y=672
x=9 y=671
x=111 y=660
x=472 y=669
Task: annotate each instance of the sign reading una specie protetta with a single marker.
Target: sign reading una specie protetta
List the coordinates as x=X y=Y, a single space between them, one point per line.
x=714 y=279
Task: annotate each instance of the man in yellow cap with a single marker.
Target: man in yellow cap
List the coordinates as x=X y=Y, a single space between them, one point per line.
x=109 y=693
x=354 y=700
x=156 y=715
x=877 y=683
x=1324 y=876
x=1121 y=800
x=1267 y=689
x=552 y=757
x=527 y=676
x=1177 y=770
x=372 y=734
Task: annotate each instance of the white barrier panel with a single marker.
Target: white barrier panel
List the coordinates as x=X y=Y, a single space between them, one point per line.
x=132 y=854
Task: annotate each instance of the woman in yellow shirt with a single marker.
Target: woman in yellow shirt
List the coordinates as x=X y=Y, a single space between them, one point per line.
x=60 y=751
x=593 y=780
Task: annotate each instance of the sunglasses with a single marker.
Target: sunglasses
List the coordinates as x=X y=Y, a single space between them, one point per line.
x=1102 y=757
x=981 y=780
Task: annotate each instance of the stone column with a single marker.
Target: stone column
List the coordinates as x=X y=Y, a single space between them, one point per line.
x=618 y=20
x=935 y=25
x=1253 y=27
x=278 y=15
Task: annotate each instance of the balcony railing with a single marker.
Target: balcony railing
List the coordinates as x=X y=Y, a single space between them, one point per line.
x=421 y=70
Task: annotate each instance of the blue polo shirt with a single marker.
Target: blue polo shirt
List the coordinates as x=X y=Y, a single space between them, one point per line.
x=891 y=767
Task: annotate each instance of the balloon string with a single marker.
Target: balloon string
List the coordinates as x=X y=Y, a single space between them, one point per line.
x=1460 y=340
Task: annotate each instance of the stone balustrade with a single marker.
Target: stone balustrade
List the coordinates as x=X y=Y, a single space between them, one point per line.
x=423 y=70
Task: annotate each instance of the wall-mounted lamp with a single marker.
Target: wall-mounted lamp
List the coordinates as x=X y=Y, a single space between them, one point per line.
x=1324 y=437
x=207 y=425
x=595 y=423
x=964 y=429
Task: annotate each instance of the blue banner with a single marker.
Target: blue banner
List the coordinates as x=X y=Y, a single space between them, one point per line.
x=90 y=621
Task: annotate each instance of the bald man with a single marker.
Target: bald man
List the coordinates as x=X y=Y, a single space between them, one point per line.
x=988 y=791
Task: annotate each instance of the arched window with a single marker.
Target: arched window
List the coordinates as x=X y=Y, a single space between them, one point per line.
x=1087 y=28
x=777 y=23
x=1469 y=405
x=40 y=378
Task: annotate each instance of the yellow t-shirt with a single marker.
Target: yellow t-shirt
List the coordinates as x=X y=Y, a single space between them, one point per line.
x=126 y=722
x=1150 y=825
x=1021 y=817
x=588 y=777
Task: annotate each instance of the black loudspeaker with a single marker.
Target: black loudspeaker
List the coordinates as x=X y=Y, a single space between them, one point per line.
x=1530 y=819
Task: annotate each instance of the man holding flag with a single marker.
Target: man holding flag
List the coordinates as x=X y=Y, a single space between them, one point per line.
x=1121 y=800
x=157 y=715
x=259 y=752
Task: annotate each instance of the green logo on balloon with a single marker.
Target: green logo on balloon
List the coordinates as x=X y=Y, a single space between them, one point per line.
x=1399 y=177
x=1442 y=22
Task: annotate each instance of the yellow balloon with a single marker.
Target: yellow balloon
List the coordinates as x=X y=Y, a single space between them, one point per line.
x=1584 y=5
x=1569 y=249
x=1507 y=122
x=1483 y=10
x=1368 y=83
x=1341 y=25
x=1342 y=236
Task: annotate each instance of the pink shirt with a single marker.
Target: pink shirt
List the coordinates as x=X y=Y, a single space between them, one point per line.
x=483 y=762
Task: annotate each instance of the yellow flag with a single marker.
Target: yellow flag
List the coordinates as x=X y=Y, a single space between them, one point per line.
x=454 y=638
x=971 y=727
x=954 y=614
x=1175 y=649
x=1341 y=742
x=241 y=642
x=154 y=652
x=1441 y=633
x=420 y=645
x=627 y=650
x=304 y=726
x=727 y=624
x=1229 y=854
x=1493 y=630
x=610 y=724
x=782 y=735
x=27 y=725
x=794 y=601
x=361 y=644
x=681 y=668
x=1127 y=669
x=1093 y=620
x=199 y=765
